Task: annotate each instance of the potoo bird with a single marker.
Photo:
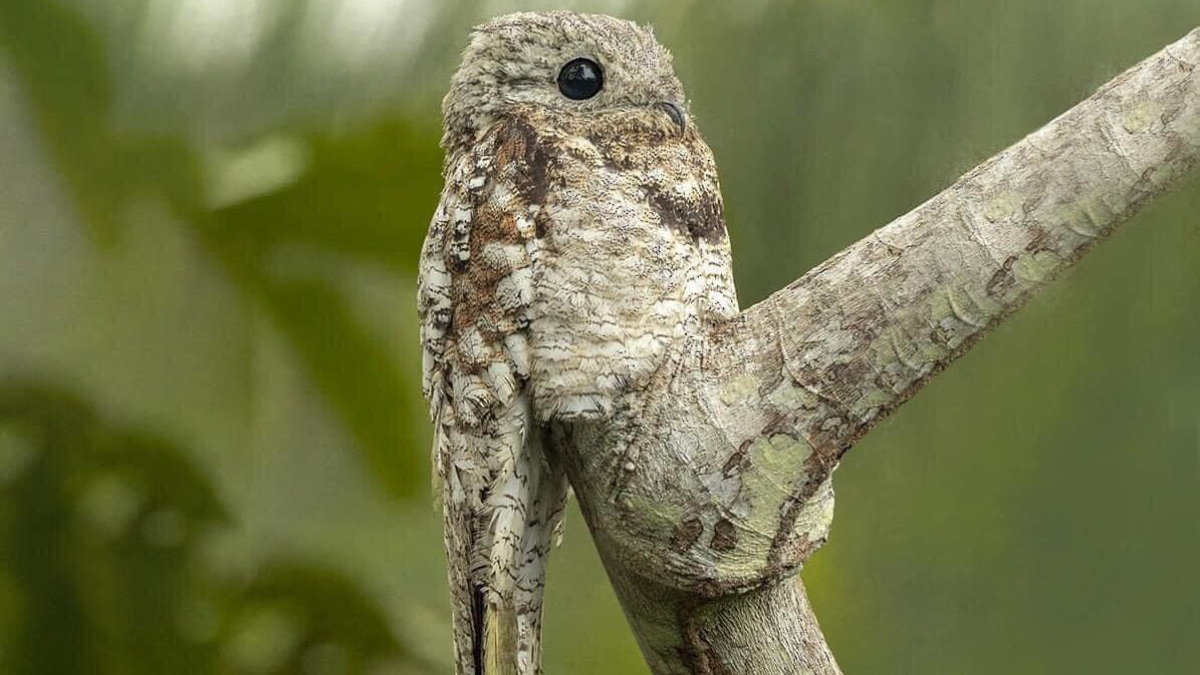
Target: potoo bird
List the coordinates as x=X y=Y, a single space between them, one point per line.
x=580 y=235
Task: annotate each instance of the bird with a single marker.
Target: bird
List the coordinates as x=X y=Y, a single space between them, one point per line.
x=578 y=244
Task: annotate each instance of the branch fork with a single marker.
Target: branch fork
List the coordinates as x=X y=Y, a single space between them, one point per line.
x=723 y=487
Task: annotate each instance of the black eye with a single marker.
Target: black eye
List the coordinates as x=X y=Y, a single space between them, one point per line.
x=580 y=79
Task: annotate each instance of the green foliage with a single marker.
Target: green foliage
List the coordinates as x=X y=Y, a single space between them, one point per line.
x=209 y=223
x=107 y=529
x=346 y=201
x=128 y=505
x=295 y=618
x=106 y=171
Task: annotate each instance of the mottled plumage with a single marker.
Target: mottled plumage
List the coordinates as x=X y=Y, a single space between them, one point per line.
x=575 y=241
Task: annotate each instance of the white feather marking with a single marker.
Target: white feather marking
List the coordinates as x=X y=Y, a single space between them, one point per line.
x=515 y=291
x=526 y=227
x=507 y=500
x=473 y=398
x=431 y=378
x=499 y=378
x=516 y=348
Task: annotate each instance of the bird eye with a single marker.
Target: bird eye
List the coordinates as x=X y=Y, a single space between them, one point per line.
x=580 y=79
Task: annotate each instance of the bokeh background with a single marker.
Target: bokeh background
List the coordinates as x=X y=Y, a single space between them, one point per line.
x=213 y=453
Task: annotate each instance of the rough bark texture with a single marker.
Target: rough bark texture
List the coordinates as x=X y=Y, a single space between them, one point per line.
x=710 y=489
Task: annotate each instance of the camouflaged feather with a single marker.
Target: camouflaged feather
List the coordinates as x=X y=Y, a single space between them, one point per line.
x=574 y=242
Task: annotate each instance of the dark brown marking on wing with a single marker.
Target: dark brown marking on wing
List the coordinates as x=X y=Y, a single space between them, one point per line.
x=700 y=217
x=475 y=290
x=522 y=147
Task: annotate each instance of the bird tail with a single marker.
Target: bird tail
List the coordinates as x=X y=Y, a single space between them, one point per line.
x=543 y=526
x=497 y=542
x=500 y=641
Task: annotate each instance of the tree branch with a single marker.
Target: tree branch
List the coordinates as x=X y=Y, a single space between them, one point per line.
x=863 y=332
x=769 y=631
x=712 y=486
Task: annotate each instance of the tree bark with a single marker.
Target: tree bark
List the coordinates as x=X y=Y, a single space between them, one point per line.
x=767 y=631
x=709 y=490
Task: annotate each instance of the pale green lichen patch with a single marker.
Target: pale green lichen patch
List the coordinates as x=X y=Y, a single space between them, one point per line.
x=871 y=400
x=1075 y=219
x=780 y=454
x=788 y=396
x=940 y=306
x=775 y=466
x=1098 y=212
x=967 y=308
x=1188 y=125
x=958 y=313
x=1002 y=206
x=1037 y=268
x=816 y=518
x=741 y=390
x=906 y=345
x=655 y=507
x=1162 y=176
x=1141 y=117
x=775 y=471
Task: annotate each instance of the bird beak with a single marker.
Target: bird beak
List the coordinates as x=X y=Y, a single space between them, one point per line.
x=676 y=113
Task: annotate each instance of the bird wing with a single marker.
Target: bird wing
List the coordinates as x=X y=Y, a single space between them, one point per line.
x=502 y=494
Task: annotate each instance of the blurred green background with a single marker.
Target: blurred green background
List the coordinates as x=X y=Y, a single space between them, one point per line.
x=213 y=453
